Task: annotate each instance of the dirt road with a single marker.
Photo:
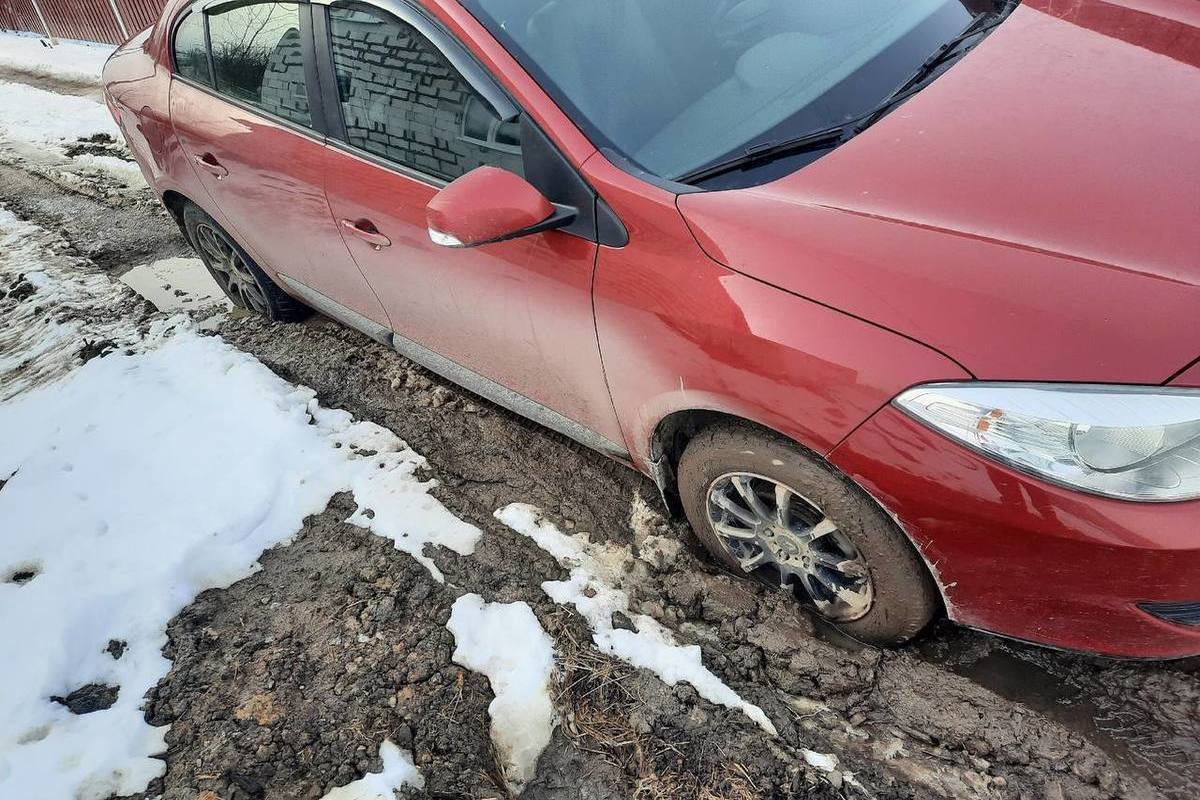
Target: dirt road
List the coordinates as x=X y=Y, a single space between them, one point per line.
x=284 y=684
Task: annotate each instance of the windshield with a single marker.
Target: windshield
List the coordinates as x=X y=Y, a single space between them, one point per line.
x=674 y=86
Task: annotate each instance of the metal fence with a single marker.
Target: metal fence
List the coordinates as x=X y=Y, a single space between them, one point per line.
x=111 y=21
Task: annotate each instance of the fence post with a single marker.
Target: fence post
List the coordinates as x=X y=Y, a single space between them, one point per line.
x=121 y=22
x=42 y=19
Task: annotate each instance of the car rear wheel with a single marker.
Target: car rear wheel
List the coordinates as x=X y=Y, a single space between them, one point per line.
x=768 y=509
x=235 y=272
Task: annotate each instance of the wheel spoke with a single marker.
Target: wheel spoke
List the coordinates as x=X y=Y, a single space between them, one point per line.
x=210 y=250
x=760 y=522
x=827 y=583
x=731 y=532
x=783 y=505
x=215 y=245
x=753 y=562
x=745 y=488
x=238 y=265
x=823 y=528
x=257 y=299
x=829 y=561
x=816 y=592
x=202 y=237
x=726 y=502
x=853 y=569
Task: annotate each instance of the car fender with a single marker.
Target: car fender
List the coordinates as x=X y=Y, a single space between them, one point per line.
x=680 y=332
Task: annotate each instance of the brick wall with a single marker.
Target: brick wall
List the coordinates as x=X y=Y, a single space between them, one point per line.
x=405 y=101
x=283 y=90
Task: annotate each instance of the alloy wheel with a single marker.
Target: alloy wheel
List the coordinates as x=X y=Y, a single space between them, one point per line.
x=230 y=269
x=779 y=536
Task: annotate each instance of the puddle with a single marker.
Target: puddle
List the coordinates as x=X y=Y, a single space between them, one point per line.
x=176 y=284
x=1095 y=701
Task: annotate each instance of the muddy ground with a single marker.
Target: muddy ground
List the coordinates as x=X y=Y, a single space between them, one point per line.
x=284 y=684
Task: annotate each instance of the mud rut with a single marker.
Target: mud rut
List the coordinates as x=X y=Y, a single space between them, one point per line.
x=284 y=685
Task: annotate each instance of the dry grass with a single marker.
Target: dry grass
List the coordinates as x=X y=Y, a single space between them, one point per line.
x=598 y=701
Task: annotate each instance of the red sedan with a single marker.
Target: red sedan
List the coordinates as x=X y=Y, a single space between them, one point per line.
x=899 y=303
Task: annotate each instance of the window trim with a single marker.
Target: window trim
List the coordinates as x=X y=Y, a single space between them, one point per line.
x=446 y=43
x=490 y=143
x=176 y=24
x=317 y=130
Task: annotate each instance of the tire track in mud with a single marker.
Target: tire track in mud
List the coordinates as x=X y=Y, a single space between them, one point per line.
x=949 y=718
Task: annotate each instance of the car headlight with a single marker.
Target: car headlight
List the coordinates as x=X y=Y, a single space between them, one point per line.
x=1125 y=442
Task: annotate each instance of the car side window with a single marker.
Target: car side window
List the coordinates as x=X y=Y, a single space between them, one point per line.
x=191 y=53
x=258 y=58
x=402 y=100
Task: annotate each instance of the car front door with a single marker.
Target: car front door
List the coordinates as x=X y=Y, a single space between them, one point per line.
x=240 y=109
x=513 y=321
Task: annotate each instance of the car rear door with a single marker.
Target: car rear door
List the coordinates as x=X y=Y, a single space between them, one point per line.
x=240 y=109
x=512 y=321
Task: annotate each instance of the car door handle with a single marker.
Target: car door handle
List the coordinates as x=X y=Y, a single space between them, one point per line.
x=364 y=229
x=209 y=162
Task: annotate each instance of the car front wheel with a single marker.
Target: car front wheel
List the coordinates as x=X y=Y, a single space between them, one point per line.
x=768 y=509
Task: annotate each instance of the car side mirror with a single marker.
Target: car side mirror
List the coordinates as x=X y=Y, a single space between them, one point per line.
x=490 y=205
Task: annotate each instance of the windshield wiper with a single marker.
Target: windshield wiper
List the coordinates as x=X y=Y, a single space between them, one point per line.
x=828 y=138
x=929 y=66
x=770 y=151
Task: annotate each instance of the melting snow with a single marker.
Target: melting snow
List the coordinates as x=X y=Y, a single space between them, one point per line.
x=80 y=62
x=826 y=762
x=126 y=171
x=40 y=335
x=131 y=485
x=40 y=117
x=398 y=771
x=651 y=646
x=505 y=642
x=44 y=123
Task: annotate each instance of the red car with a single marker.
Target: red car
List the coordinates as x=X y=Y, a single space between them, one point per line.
x=899 y=303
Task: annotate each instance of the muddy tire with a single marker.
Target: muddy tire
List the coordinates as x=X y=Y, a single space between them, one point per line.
x=766 y=508
x=242 y=280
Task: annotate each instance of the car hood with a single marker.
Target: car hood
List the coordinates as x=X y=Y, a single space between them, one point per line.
x=1034 y=213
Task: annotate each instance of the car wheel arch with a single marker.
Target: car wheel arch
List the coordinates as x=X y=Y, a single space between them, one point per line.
x=671 y=436
x=175 y=202
x=675 y=430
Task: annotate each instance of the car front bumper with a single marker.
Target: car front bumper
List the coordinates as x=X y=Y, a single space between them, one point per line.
x=1023 y=558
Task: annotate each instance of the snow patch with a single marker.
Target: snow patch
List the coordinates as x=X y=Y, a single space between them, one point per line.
x=40 y=117
x=606 y=562
x=134 y=483
x=398 y=771
x=505 y=642
x=394 y=504
x=72 y=60
x=643 y=520
x=651 y=646
x=826 y=762
x=128 y=172
x=122 y=551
